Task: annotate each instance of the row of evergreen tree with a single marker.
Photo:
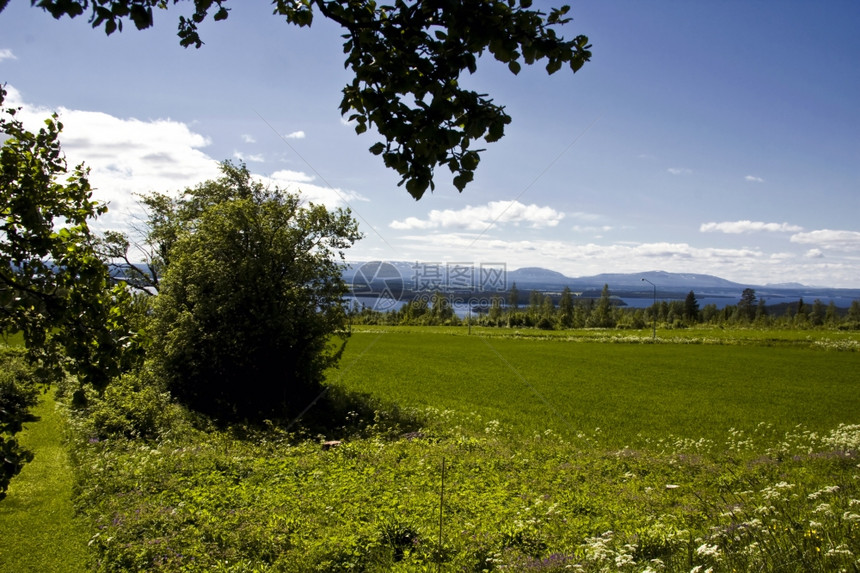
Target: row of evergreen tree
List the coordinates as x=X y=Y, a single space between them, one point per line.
x=550 y=312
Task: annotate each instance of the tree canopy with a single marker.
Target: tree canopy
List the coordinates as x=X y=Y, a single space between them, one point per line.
x=54 y=288
x=407 y=58
x=250 y=297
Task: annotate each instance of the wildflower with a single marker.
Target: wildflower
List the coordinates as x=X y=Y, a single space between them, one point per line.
x=776 y=491
x=823 y=508
x=840 y=551
x=706 y=550
x=819 y=493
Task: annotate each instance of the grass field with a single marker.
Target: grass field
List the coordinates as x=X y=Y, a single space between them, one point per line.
x=38 y=529
x=715 y=452
x=629 y=390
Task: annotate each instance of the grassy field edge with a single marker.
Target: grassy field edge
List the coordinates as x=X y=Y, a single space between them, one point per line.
x=38 y=528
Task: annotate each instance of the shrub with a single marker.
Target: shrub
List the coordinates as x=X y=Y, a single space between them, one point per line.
x=131 y=407
x=250 y=299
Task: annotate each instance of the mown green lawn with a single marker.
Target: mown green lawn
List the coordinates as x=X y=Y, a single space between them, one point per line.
x=38 y=530
x=628 y=390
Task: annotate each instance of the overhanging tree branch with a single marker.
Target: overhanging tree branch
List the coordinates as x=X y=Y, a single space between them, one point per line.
x=407 y=59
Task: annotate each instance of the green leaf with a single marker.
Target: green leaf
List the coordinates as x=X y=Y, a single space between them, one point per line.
x=515 y=67
x=470 y=161
x=416 y=187
x=463 y=179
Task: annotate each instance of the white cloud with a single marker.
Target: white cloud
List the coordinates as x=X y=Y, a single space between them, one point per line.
x=6 y=54
x=481 y=217
x=831 y=239
x=679 y=171
x=591 y=229
x=248 y=138
x=254 y=158
x=750 y=265
x=126 y=156
x=736 y=227
x=130 y=156
x=348 y=123
x=286 y=176
x=298 y=182
x=295 y=135
x=754 y=179
x=582 y=216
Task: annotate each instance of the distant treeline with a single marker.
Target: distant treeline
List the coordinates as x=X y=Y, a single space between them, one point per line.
x=567 y=311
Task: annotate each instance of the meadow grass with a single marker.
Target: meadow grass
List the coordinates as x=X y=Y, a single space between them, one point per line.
x=699 y=464
x=630 y=391
x=38 y=528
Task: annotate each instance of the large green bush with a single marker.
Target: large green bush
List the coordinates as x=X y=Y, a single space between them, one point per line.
x=251 y=296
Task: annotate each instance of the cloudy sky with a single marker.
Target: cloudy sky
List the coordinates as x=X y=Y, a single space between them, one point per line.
x=704 y=137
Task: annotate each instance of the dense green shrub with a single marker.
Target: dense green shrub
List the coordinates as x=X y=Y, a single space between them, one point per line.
x=250 y=298
x=131 y=407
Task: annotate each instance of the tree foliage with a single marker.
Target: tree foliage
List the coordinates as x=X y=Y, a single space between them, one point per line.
x=407 y=58
x=54 y=288
x=747 y=305
x=250 y=297
x=691 y=307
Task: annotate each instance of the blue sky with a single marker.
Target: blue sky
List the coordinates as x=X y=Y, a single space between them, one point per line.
x=706 y=137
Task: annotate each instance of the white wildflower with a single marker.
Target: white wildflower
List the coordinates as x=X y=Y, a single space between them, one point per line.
x=822 y=491
x=775 y=491
x=840 y=551
x=706 y=550
x=823 y=508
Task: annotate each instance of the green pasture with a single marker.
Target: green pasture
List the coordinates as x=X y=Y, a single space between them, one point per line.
x=38 y=530
x=481 y=485
x=632 y=390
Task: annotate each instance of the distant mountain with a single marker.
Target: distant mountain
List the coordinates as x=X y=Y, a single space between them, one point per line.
x=528 y=275
x=785 y=285
x=626 y=285
x=540 y=278
x=661 y=279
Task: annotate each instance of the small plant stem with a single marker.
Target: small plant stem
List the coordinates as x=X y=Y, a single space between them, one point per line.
x=441 y=501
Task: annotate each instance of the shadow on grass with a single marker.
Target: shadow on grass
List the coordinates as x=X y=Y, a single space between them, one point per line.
x=333 y=414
